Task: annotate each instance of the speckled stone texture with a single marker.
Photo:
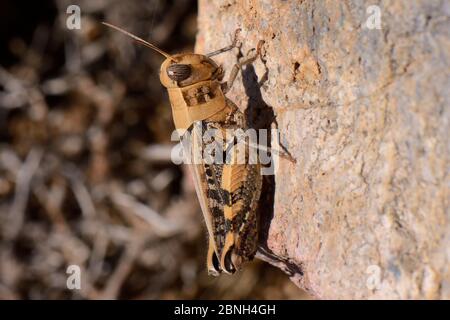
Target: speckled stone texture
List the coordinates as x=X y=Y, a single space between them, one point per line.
x=364 y=213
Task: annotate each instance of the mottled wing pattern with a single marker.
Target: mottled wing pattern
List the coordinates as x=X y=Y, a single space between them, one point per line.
x=228 y=195
x=207 y=185
x=191 y=142
x=241 y=186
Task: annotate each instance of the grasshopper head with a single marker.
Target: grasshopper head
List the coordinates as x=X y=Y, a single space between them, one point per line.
x=182 y=70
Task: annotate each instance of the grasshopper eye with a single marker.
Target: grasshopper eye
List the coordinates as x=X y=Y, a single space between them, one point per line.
x=179 y=72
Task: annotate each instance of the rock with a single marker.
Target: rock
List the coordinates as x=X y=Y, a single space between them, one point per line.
x=364 y=212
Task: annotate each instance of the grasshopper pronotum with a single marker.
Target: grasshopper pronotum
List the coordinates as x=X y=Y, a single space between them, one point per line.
x=228 y=192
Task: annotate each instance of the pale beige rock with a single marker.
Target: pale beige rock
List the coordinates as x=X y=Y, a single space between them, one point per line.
x=364 y=213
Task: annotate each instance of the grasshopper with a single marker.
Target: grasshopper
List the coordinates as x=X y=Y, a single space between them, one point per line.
x=228 y=192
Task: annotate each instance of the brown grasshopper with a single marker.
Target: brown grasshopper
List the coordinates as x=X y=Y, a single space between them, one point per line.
x=228 y=192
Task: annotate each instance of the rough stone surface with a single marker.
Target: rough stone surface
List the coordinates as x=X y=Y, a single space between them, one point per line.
x=366 y=113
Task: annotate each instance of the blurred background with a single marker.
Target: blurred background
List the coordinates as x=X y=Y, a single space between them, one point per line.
x=85 y=172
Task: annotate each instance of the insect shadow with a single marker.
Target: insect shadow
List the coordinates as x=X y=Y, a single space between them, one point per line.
x=260 y=115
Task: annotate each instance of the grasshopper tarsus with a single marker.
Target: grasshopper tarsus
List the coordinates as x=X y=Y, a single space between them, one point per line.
x=259 y=46
x=235 y=38
x=288 y=157
x=258 y=49
x=234 y=44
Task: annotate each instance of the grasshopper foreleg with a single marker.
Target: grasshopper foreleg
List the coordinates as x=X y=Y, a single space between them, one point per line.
x=234 y=72
x=227 y=48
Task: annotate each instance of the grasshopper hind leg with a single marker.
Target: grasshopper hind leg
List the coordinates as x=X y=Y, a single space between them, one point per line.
x=212 y=261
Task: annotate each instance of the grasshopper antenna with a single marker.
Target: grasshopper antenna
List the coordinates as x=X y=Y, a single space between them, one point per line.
x=139 y=40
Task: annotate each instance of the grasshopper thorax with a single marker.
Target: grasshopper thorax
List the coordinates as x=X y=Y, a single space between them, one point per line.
x=193 y=84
